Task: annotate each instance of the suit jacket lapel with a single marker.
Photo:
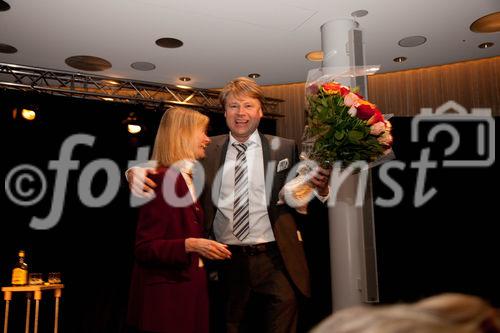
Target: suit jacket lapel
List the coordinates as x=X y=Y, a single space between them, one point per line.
x=221 y=151
x=216 y=155
x=265 y=152
x=266 y=157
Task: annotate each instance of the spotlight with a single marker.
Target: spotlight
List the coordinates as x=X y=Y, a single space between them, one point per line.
x=28 y=114
x=134 y=129
x=133 y=124
x=25 y=113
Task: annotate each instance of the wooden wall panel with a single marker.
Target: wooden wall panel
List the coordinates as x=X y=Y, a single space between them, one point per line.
x=293 y=109
x=473 y=83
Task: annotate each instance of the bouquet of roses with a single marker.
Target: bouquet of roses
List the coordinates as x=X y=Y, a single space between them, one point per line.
x=342 y=128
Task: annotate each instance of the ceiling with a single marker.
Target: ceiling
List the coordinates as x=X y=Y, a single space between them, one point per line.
x=224 y=39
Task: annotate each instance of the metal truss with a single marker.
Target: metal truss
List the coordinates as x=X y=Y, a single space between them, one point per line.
x=152 y=95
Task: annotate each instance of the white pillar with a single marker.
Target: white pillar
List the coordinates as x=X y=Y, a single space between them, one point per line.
x=346 y=221
x=334 y=41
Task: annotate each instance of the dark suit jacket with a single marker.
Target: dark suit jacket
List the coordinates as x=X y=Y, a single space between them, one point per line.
x=168 y=290
x=282 y=217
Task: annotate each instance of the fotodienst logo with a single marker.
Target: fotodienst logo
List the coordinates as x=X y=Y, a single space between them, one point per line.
x=471 y=137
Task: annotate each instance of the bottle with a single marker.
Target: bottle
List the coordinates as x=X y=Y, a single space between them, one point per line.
x=20 y=271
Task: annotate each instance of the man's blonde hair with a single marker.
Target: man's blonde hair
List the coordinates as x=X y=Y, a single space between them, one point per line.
x=242 y=87
x=175 y=138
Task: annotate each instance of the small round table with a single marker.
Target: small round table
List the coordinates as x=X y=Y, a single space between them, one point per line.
x=36 y=292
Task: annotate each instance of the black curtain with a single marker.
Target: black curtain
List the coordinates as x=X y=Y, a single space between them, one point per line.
x=450 y=243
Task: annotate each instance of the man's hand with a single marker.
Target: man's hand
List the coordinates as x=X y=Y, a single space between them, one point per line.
x=208 y=248
x=320 y=178
x=139 y=182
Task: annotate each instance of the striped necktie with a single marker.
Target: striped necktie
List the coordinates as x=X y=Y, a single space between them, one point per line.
x=241 y=225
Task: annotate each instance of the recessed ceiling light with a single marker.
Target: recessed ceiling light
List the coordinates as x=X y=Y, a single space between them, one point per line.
x=143 y=66
x=184 y=79
x=399 y=59
x=170 y=43
x=6 y=48
x=88 y=63
x=315 y=56
x=487 y=23
x=412 y=41
x=359 y=13
x=182 y=86
x=4 y=6
x=254 y=75
x=107 y=99
x=485 y=45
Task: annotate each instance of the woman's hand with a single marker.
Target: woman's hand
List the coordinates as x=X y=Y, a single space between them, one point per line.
x=208 y=248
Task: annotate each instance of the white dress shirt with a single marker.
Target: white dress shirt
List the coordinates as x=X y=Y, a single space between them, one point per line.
x=260 y=225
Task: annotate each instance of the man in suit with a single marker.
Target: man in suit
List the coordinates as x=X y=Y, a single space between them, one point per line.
x=244 y=173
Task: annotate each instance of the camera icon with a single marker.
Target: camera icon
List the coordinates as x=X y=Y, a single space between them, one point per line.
x=451 y=112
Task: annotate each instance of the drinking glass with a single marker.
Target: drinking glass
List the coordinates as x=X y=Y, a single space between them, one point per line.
x=54 y=277
x=35 y=278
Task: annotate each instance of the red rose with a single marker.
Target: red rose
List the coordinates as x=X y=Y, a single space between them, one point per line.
x=365 y=112
x=344 y=91
x=377 y=116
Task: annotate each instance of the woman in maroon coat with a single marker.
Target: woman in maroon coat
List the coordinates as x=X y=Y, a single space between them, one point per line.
x=168 y=289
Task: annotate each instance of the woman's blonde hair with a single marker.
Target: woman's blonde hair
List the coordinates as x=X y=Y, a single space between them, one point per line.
x=175 y=138
x=463 y=309
x=444 y=313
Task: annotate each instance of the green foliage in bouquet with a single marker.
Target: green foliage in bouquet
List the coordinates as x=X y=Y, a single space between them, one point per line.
x=343 y=126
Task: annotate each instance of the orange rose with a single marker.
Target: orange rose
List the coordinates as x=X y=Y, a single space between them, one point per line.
x=331 y=88
x=363 y=102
